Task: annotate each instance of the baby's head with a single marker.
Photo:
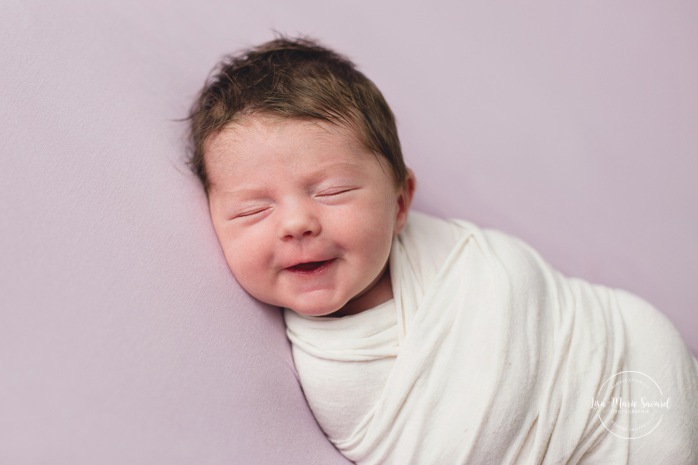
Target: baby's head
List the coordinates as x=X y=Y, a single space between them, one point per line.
x=299 y=155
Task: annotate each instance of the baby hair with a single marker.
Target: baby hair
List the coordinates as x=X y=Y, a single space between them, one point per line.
x=298 y=79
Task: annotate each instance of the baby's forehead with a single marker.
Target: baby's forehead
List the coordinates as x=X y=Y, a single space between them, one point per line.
x=269 y=144
x=251 y=134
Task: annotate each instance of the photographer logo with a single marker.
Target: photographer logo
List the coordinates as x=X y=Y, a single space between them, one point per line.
x=630 y=405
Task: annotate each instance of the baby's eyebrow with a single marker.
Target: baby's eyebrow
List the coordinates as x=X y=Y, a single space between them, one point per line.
x=244 y=193
x=337 y=167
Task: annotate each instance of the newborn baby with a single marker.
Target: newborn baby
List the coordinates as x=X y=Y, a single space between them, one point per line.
x=419 y=340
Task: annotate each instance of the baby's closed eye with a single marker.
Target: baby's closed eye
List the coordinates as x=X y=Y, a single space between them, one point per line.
x=253 y=212
x=335 y=195
x=335 y=191
x=250 y=212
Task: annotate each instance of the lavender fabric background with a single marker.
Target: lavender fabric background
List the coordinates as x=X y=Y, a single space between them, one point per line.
x=123 y=337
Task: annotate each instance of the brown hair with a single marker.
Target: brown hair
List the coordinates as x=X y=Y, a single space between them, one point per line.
x=294 y=78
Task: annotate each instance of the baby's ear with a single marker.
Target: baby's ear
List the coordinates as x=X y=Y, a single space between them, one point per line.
x=404 y=200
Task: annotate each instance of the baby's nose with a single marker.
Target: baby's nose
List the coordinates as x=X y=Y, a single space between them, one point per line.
x=299 y=223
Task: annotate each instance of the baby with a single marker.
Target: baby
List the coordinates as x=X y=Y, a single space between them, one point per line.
x=419 y=340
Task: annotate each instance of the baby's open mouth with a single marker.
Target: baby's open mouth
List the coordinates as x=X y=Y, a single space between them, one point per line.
x=310 y=267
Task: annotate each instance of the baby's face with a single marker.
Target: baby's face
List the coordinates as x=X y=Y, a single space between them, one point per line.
x=305 y=214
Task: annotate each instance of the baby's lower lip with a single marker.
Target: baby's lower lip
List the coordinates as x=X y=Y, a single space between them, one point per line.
x=310 y=267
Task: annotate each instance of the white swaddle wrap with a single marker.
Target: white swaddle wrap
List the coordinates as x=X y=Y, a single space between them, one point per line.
x=489 y=356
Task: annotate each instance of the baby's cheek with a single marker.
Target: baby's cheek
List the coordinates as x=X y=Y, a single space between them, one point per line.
x=251 y=280
x=243 y=262
x=240 y=258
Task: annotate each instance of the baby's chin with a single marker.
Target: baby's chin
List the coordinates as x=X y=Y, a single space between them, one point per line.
x=345 y=309
x=319 y=303
x=318 y=311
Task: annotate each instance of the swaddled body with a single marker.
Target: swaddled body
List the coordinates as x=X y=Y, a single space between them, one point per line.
x=487 y=355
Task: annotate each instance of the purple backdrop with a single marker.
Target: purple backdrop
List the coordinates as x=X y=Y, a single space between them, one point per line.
x=124 y=339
